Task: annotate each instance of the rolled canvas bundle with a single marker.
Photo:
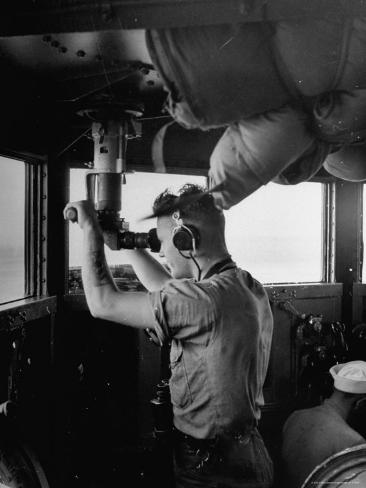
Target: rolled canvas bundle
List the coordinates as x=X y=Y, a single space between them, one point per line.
x=255 y=151
x=218 y=74
x=270 y=82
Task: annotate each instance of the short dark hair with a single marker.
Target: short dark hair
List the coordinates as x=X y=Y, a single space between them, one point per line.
x=190 y=208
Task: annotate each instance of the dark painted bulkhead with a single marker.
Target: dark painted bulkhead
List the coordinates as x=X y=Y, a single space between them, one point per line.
x=83 y=387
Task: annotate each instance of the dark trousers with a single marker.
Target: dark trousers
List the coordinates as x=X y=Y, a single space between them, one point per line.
x=232 y=461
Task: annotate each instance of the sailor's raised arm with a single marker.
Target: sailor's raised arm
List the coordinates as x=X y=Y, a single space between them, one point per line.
x=104 y=299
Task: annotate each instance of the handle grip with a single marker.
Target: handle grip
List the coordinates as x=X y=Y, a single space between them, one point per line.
x=72 y=214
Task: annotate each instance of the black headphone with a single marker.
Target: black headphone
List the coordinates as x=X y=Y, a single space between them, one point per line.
x=185 y=237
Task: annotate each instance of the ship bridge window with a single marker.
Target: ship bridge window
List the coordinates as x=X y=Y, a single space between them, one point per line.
x=138 y=195
x=276 y=233
x=12 y=224
x=23 y=224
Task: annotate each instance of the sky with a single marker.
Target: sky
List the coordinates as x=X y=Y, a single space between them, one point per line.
x=276 y=233
x=12 y=235
x=12 y=195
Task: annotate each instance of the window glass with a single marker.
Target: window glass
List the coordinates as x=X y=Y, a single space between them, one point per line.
x=276 y=233
x=12 y=225
x=138 y=195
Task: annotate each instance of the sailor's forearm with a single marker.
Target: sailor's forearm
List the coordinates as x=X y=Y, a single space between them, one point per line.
x=98 y=282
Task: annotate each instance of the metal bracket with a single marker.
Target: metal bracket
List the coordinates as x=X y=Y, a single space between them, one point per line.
x=283 y=295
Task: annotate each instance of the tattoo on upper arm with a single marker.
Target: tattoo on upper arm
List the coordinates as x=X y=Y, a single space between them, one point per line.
x=100 y=271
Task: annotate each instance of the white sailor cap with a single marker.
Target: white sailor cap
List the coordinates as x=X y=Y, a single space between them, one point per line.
x=350 y=377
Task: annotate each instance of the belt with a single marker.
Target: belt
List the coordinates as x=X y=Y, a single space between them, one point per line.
x=212 y=442
x=192 y=442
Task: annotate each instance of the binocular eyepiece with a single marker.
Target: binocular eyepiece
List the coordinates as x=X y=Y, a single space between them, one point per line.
x=139 y=240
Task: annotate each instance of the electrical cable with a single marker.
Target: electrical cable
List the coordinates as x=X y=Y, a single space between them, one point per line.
x=198 y=267
x=195 y=262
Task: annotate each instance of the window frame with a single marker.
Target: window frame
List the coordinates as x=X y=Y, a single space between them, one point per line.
x=362 y=243
x=35 y=226
x=132 y=168
x=328 y=211
x=329 y=232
